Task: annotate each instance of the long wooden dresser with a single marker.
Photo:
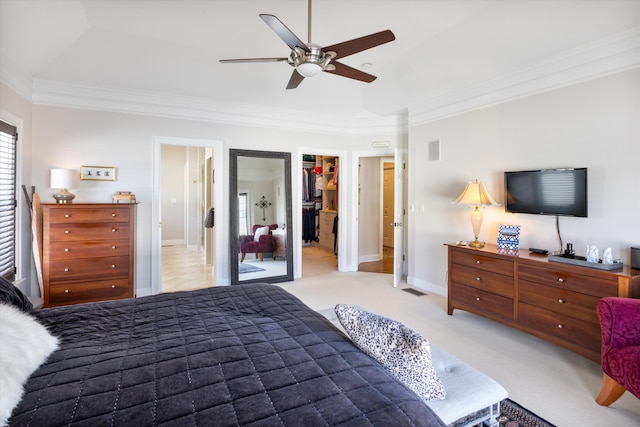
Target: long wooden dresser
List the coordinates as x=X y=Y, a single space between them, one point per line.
x=553 y=301
x=88 y=252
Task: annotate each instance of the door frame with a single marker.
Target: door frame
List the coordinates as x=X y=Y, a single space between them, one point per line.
x=156 y=241
x=355 y=161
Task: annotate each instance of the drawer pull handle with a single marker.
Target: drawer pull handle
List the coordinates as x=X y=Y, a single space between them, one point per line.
x=561 y=301
x=113 y=214
x=66 y=232
x=113 y=246
x=113 y=266
x=67 y=216
x=67 y=249
x=561 y=279
x=477 y=279
x=477 y=261
x=66 y=291
x=66 y=269
x=477 y=298
x=560 y=326
x=113 y=286
x=113 y=230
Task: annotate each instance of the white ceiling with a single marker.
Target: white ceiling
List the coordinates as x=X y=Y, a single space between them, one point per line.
x=172 y=47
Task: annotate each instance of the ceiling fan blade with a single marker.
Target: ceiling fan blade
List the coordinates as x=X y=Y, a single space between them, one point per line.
x=283 y=32
x=362 y=43
x=226 y=61
x=295 y=80
x=350 y=72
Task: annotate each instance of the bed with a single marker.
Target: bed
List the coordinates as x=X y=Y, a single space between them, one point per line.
x=251 y=355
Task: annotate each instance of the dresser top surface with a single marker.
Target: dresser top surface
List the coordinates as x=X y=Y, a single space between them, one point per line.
x=532 y=258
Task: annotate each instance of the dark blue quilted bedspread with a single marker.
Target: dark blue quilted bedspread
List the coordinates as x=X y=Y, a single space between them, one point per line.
x=238 y=355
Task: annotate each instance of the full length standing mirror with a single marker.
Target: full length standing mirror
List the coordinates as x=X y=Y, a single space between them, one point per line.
x=260 y=211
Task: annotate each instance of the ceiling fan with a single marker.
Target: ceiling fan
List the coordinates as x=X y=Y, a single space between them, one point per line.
x=310 y=59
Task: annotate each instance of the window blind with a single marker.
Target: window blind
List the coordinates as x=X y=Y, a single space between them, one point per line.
x=8 y=203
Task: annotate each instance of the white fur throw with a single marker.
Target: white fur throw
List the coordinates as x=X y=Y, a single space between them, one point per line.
x=24 y=345
x=404 y=352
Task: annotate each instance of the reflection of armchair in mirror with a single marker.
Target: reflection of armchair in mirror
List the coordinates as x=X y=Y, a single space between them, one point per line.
x=259 y=243
x=259 y=197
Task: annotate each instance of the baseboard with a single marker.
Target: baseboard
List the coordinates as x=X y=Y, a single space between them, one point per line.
x=427 y=286
x=369 y=258
x=176 y=242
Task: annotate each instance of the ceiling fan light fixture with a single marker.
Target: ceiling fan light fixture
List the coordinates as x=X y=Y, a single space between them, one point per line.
x=309 y=69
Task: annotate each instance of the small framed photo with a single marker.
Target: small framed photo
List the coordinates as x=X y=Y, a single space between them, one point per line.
x=98 y=173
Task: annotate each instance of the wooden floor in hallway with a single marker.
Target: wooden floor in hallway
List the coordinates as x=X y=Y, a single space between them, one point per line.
x=385 y=265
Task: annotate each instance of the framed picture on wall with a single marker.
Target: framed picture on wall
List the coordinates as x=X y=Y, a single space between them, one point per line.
x=98 y=173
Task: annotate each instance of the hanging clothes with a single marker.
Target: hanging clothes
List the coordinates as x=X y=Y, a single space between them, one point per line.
x=209 y=221
x=308 y=224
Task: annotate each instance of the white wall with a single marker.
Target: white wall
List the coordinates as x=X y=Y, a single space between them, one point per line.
x=172 y=197
x=593 y=124
x=369 y=210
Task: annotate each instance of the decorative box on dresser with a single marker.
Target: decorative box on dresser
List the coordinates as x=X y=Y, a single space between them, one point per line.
x=553 y=301
x=88 y=252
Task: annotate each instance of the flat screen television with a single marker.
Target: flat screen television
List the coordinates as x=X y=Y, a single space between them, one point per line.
x=547 y=192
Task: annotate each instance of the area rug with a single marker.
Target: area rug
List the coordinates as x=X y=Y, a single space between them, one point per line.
x=248 y=268
x=514 y=415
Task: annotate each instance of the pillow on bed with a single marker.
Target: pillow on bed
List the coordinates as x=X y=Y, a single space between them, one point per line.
x=9 y=294
x=400 y=349
x=260 y=232
x=25 y=345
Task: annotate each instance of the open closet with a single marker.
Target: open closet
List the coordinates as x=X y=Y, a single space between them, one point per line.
x=320 y=202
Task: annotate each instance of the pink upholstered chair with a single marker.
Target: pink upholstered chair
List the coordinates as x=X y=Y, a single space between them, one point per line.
x=620 y=325
x=265 y=243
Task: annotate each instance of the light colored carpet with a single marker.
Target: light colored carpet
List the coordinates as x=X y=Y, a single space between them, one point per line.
x=555 y=383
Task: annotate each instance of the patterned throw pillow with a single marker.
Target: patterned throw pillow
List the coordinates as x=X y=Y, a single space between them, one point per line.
x=401 y=350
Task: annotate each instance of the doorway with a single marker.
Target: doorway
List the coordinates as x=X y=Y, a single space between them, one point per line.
x=320 y=220
x=378 y=249
x=184 y=255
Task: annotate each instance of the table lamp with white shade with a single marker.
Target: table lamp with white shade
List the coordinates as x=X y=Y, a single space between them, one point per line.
x=63 y=179
x=476 y=194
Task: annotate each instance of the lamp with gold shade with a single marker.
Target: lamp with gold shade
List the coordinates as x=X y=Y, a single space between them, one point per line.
x=476 y=194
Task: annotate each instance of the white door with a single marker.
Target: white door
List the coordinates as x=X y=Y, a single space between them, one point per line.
x=398 y=234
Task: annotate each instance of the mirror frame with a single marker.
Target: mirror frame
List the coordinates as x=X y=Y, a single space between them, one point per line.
x=233 y=214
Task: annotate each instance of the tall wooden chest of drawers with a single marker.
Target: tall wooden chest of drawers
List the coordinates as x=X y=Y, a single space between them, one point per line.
x=553 y=301
x=88 y=252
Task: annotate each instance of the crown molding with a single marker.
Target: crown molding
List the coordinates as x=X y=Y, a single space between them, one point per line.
x=611 y=55
x=59 y=94
x=607 y=56
x=15 y=78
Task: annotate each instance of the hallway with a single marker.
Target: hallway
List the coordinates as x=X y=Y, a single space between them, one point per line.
x=184 y=270
x=385 y=265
